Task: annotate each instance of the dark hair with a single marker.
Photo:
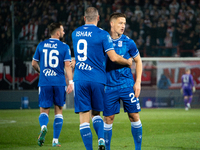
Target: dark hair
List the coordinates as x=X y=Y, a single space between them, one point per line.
x=116 y=15
x=53 y=27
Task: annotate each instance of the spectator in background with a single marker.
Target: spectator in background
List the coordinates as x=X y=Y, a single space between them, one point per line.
x=168 y=44
x=138 y=11
x=161 y=33
x=164 y=82
x=187 y=88
x=62 y=14
x=174 y=4
x=134 y=36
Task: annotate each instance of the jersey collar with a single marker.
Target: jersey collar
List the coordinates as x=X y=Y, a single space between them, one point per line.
x=118 y=38
x=89 y=25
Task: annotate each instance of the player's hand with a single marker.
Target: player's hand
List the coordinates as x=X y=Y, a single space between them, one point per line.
x=193 y=89
x=72 y=63
x=70 y=88
x=181 y=90
x=130 y=62
x=137 y=89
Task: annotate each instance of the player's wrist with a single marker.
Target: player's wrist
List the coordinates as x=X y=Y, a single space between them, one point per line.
x=71 y=82
x=138 y=81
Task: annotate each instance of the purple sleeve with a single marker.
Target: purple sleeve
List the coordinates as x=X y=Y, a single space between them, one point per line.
x=182 y=82
x=191 y=80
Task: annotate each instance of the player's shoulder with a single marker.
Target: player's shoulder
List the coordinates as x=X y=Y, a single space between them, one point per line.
x=126 y=38
x=102 y=31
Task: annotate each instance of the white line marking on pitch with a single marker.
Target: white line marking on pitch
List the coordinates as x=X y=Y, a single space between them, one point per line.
x=7 y=121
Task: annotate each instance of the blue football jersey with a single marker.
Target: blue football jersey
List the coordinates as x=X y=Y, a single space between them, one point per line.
x=119 y=76
x=90 y=45
x=52 y=54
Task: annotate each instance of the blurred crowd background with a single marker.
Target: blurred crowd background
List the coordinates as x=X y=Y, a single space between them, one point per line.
x=160 y=28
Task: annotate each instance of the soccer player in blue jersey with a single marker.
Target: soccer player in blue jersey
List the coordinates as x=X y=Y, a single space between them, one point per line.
x=54 y=57
x=120 y=83
x=187 y=88
x=90 y=45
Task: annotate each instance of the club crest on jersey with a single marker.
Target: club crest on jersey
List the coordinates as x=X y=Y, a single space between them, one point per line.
x=120 y=43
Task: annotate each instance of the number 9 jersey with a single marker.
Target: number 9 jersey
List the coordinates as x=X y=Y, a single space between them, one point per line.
x=52 y=54
x=90 y=44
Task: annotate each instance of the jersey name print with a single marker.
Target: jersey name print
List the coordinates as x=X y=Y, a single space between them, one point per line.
x=90 y=45
x=52 y=54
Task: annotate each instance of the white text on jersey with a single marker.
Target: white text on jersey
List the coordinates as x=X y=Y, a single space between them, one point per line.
x=49 y=72
x=80 y=33
x=50 y=45
x=83 y=66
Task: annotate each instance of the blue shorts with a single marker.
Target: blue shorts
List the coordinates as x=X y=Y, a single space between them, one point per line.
x=112 y=101
x=187 y=92
x=88 y=96
x=49 y=95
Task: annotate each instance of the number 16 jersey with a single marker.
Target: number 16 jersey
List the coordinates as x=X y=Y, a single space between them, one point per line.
x=52 y=54
x=90 y=44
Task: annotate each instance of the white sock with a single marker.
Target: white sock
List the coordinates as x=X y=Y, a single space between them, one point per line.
x=55 y=140
x=43 y=127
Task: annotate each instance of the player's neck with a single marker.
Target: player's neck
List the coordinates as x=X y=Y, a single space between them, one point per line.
x=55 y=37
x=94 y=23
x=114 y=35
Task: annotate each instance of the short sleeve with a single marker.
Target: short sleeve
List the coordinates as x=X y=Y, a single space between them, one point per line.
x=68 y=53
x=36 y=56
x=107 y=42
x=133 y=50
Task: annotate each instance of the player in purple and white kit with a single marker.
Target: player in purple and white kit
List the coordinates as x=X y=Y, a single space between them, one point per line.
x=187 y=88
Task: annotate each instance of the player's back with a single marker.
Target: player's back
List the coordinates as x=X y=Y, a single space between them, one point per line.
x=90 y=44
x=187 y=81
x=52 y=53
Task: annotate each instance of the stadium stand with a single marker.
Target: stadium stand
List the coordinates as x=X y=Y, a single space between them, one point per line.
x=159 y=28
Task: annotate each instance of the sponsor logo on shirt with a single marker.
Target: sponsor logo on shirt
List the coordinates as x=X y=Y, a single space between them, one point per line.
x=49 y=72
x=83 y=66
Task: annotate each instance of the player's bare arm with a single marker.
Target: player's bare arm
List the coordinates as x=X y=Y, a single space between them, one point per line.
x=137 y=85
x=72 y=63
x=114 y=57
x=68 y=70
x=36 y=66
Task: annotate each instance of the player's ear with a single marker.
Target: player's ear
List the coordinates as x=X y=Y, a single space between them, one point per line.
x=98 y=18
x=84 y=19
x=111 y=23
x=58 y=33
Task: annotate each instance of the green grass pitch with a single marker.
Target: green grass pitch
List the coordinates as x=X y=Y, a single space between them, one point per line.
x=163 y=129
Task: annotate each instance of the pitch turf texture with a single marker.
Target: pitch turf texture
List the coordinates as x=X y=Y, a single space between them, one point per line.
x=163 y=129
